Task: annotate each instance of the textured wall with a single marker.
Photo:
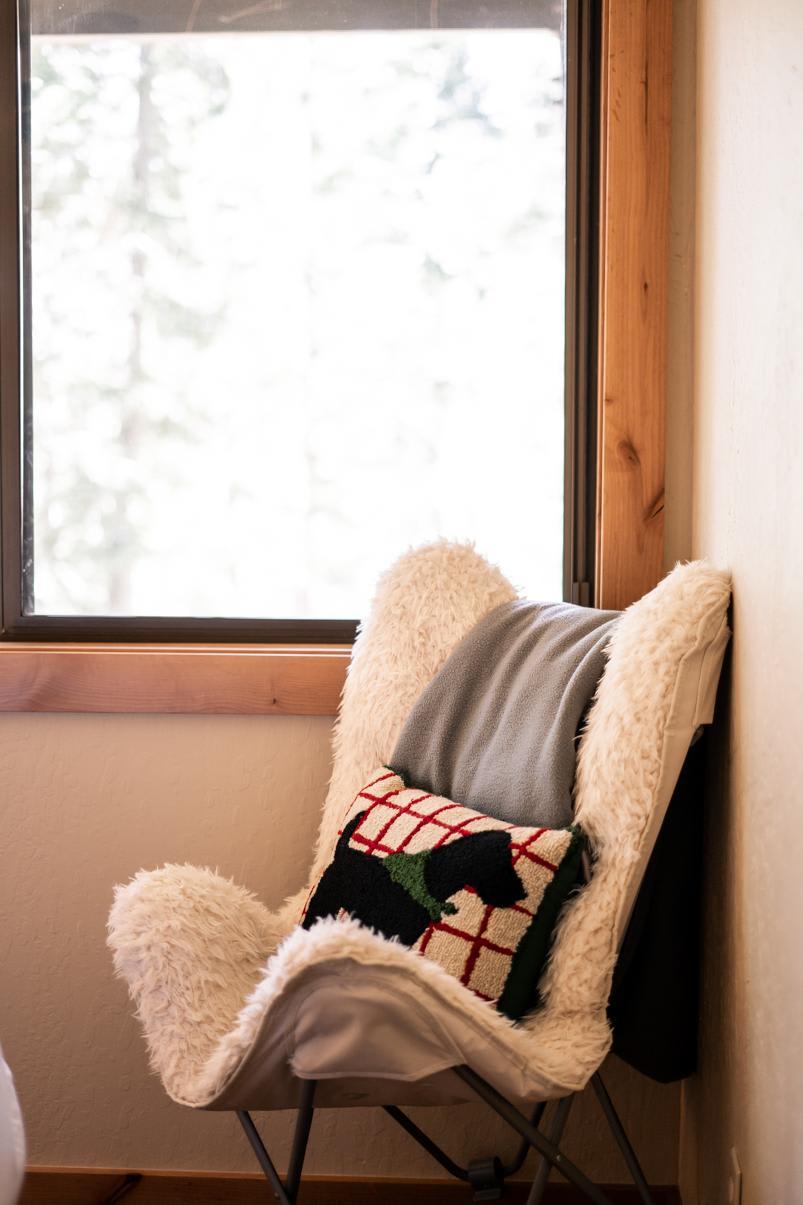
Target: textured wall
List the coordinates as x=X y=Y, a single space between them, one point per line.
x=748 y=504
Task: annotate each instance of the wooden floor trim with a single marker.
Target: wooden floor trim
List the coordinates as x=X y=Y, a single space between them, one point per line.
x=95 y=1186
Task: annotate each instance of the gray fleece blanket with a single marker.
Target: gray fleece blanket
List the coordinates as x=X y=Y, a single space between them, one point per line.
x=496 y=729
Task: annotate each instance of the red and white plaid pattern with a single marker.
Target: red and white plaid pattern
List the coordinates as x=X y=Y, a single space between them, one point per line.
x=476 y=943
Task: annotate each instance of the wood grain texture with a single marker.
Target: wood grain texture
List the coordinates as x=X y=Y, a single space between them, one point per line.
x=158 y=678
x=78 y=1186
x=634 y=242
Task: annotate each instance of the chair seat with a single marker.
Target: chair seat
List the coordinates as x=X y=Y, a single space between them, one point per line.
x=366 y=1016
x=231 y=1025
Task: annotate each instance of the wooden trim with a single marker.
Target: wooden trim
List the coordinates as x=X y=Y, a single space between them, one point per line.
x=634 y=218
x=163 y=678
x=78 y=1186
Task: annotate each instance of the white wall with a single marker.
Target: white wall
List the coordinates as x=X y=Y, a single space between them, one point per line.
x=748 y=515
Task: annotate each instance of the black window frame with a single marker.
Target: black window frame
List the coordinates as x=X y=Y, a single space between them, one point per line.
x=582 y=32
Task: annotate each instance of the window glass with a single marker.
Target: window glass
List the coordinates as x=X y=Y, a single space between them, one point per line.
x=297 y=303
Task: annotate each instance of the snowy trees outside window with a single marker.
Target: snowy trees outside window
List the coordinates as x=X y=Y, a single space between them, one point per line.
x=297 y=304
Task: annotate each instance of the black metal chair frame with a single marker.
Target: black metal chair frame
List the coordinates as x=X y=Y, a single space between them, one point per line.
x=486 y=1176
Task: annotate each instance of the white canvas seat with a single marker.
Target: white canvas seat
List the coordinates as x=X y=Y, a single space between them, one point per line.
x=239 y=1007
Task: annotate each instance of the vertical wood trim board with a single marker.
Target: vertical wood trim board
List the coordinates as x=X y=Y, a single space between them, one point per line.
x=634 y=241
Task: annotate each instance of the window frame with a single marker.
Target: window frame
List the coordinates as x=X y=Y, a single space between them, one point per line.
x=620 y=434
x=635 y=131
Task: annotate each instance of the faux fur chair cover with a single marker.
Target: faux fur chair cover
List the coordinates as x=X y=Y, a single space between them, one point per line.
x=226 y=990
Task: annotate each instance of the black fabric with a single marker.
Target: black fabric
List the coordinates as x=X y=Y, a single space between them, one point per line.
x=654 y=1001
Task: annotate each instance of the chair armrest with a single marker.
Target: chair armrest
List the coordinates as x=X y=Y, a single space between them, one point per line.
x=191 y=946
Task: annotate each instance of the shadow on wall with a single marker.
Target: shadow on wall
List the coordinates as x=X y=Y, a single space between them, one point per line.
x=707 y=1101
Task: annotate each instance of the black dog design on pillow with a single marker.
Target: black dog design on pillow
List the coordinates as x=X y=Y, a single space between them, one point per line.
x=402 y=894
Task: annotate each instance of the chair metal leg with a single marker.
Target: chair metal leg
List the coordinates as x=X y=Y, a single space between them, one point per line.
x=622 y=1140
x=486 y=1176
x=514 y=1118
x=554 y=1135
x=546 y=1146
x=517 y=1162
x=424 y=1140
x=265 y=1161
x=287 y=1191
x=306 y=1109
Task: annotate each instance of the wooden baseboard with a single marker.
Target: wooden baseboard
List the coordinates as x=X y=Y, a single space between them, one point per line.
x=98 y=1186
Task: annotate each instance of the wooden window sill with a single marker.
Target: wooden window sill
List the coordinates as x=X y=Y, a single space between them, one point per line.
x=198 y=679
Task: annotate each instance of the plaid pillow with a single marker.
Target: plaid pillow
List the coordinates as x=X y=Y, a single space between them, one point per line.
x=475 y=894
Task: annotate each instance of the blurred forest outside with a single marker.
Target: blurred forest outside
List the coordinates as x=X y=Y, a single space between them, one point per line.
x=298 y=304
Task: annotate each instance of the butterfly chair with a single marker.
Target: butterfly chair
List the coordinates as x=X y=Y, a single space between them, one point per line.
x=243 y=1010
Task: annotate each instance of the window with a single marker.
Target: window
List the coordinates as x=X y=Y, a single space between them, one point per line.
x=294 y=299
x=622 y=436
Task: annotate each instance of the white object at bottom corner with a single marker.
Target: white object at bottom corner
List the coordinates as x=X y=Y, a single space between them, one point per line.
x=12 y=1138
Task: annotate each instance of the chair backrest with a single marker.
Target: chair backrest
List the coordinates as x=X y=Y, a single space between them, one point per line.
x=659 y=685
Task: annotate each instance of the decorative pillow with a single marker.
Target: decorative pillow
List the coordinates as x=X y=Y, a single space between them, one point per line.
x=475 y=894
